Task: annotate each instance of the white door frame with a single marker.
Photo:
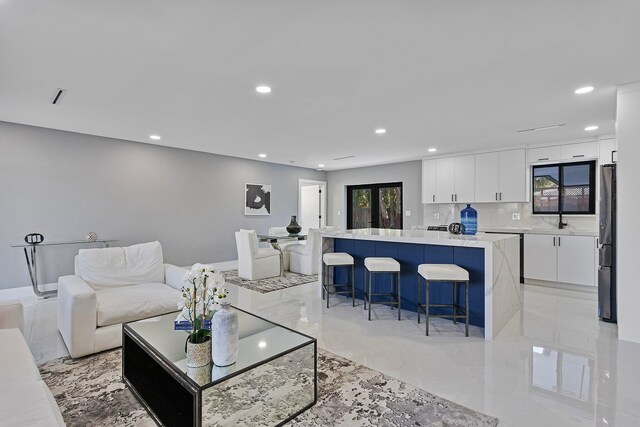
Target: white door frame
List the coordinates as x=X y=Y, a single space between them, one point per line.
x=323 y=200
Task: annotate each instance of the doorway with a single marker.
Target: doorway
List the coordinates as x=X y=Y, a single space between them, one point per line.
x=312 y=198
x=374 y=206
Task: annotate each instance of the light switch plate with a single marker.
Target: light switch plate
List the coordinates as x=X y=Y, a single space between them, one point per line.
x=408 y=213
x=436 y=215
x=515 y=216
x=339 y=212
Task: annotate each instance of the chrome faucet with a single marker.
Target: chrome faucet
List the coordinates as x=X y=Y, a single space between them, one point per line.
x=561 y=224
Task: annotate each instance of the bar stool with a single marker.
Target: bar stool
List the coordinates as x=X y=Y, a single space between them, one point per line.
x=337 y=259
x=445 y=273
x=375 y=265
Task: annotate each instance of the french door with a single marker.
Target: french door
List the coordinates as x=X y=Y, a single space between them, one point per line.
x=374 y=206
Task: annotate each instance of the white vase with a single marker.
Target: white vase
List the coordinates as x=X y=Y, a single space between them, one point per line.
x=198 y=354
x=224 y=336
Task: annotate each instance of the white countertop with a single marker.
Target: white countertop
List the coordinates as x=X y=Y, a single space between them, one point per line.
x=422 y=237
x=553 y=231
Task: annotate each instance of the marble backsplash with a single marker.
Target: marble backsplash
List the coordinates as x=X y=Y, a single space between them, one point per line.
x=501 y=215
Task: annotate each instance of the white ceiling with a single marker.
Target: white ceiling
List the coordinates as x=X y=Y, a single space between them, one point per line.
x=455 y=75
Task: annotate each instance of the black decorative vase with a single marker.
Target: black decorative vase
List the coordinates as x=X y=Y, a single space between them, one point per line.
x=294 y=227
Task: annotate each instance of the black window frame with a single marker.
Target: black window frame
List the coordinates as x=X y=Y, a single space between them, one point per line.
x=375 y=202
x=561 y=166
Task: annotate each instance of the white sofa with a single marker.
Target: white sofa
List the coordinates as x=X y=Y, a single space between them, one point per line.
x=112 y=286
x=255 y=262
x=305 y=259
x=25 y=400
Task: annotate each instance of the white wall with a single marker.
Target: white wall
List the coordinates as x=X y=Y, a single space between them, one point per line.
x=64 y=184
x=409 y=173
x=628 y=172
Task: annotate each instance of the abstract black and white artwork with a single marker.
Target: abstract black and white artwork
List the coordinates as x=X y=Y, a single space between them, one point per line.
x=257 y=200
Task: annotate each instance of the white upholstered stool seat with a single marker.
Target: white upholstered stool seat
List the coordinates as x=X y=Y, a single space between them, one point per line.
x=337 y=258
x=382 y=264
x=443 y=272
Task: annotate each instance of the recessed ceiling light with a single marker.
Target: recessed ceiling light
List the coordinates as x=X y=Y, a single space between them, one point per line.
x=155 y=137
x=585 y=89
x=263 y=89
x=432 y=150
x=320 y=165
x=594 y=127
x=262 y=155
x=381 y=131
x=262 y=344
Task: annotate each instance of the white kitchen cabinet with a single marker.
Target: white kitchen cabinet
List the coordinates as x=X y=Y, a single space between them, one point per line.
x=487 y=177
x=540 y=257
x=587 y=150
x=428 y=181
x=501 y=176
x=560 y=258
x=464 y=179
x=576 y=260
x=543 y=154
x=607 y=151
x=445 y=180
x=513 y=176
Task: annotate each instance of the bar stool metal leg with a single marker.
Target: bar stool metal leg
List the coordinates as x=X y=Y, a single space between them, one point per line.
x=369 y=295
x=418 y=300
x=364 y=289
x=399 y=297
x=327 y=281
x=391 y=288
x=455 y=301
x=353 y=284
x=466 y=308
x=426 y=306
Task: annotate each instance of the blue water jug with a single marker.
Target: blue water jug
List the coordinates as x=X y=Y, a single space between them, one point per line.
x=469 y=218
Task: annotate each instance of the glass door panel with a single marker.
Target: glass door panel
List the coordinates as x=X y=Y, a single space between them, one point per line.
x=390 y=207
x=361 y=211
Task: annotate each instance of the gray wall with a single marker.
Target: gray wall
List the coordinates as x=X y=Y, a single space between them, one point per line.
x=409 y=173
x=64 y=184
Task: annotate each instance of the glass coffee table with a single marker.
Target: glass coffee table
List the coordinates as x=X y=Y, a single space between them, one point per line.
x=273 y=380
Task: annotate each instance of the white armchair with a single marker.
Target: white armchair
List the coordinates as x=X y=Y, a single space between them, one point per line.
x=255 y=262
x=112 y=286
x=305 y=259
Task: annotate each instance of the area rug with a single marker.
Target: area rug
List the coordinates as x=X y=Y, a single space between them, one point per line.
x=90 y=392
x=272 y=283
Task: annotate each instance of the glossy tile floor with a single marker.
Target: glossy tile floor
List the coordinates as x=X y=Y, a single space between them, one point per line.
x=554 y=365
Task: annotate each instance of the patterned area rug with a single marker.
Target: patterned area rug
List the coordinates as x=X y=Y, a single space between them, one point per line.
x=89 y=392
x=271 y=284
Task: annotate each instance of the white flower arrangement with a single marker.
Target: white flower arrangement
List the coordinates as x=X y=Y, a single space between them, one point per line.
x=204 y=286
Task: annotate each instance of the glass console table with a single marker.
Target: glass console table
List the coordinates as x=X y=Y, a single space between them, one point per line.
x=273 y=380
x=30 y=252
x=275 y=243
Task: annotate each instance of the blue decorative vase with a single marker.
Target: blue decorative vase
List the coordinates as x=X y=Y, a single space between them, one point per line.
x=469 y=218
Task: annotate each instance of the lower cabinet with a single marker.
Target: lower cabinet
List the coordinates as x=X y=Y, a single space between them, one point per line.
x=560 y=258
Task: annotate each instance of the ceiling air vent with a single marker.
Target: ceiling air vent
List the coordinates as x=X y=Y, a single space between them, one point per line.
x=344 y=158
x=58 y=95
x=542 y=128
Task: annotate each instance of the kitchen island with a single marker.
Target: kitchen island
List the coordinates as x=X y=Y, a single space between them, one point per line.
x=492 y=261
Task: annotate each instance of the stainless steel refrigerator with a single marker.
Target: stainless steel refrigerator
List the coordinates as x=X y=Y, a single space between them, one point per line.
x=607 y=240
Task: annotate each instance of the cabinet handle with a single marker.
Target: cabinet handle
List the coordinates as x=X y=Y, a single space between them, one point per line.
x=496 y=196
x=452 y=197
x=597 y=242
x=554 y=241
x=578 y=155
x=544 y=158
x=434 y=198
x=614 y=151
x=559 y=241
x=456 y=197
x=500 y=196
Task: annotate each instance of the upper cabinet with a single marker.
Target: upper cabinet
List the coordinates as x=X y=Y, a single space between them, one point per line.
x=429 y=181
x=487 y=177
x=608 y=151
x=501 y=176
x=587 y=150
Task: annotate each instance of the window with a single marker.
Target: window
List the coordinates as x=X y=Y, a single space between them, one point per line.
x=567 y=188
x=374 y=206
